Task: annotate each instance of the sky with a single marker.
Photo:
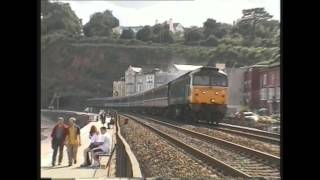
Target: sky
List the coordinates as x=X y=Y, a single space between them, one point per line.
x=187 y=12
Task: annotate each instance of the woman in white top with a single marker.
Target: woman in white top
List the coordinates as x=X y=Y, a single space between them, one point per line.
x=93 y=136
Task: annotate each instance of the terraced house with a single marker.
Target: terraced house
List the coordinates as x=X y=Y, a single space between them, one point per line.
x=262 y=87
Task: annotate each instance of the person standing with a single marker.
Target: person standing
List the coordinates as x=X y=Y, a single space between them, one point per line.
x=73 y=141
x=58 y=136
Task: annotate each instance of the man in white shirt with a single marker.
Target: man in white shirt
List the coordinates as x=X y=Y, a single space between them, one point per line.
x=106 y=142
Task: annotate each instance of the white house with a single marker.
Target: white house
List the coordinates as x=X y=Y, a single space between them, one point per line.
x=145 y=81
x=119 y=88
x=131 y=79
x=175 y=28
x=119 y=29
x=163 y=78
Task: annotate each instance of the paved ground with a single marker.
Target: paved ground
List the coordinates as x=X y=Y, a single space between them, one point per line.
x=63 y=171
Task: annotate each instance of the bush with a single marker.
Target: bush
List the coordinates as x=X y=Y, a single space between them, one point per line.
x=127 y=34
x=210 y=41
x=193 y=35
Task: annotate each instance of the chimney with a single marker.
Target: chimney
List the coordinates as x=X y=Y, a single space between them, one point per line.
x=170 y=25
x=221 y=66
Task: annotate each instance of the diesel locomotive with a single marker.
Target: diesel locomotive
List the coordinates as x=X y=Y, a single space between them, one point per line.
x=200 y=94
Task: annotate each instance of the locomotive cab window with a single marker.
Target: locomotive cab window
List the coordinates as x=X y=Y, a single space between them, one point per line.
x=212 y=79
x=219 y=80
x=201 y=80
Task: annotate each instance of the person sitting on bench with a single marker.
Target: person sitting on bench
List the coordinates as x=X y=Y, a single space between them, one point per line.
x=93 y=136
x=104 y=148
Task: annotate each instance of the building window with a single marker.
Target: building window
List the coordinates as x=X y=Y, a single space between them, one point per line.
x=264 y=79
x=263 y=94
x=272 y=78
x=271 y=93
x=278 y=93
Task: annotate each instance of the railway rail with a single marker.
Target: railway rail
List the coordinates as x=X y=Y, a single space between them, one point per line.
x=263 y=136
x=250 y=131
x=234 y=159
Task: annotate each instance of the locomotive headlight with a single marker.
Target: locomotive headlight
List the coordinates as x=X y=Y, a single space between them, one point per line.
x=203 y=92
x=212 y=100
x=217 y=93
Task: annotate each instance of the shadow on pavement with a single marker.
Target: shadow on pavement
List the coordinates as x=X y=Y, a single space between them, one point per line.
x=53 y=167
x=87 y=167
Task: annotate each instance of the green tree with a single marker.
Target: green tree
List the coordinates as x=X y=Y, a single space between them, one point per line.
x=157 y=28
x=144 y=34
x=166 y=36
x=223 y=30
x=211 y=41
x=254 y=16
x=193 y=35
x=267 y=29
x=127 y=34
x=59 y=17
x=101 y=24
x=162 y=34
x=210 y=27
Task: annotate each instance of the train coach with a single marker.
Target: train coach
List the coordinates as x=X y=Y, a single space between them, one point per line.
x=200 y=94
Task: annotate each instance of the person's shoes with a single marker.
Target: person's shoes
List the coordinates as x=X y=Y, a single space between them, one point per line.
x=53 y=164
x=95 y=164
x=84 y=165
x=75 y=162
x=70 y=164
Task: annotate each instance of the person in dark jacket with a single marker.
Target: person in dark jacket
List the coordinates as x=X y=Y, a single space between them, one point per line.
x=58 y=136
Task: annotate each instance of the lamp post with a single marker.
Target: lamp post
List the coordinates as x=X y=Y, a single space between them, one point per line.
x=58 y=101
x=98 y=89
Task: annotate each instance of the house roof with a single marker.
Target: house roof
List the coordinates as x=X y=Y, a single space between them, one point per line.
x=148 y=70
x=264 y=64
x=135 y=69
x=182 y=67
x=176 y=24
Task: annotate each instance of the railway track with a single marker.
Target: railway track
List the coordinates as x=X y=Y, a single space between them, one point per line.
x=250 y=131
x=251 y=135
x=263 y=136
x=159 y=158
x=234 y=159
x=238 y=137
